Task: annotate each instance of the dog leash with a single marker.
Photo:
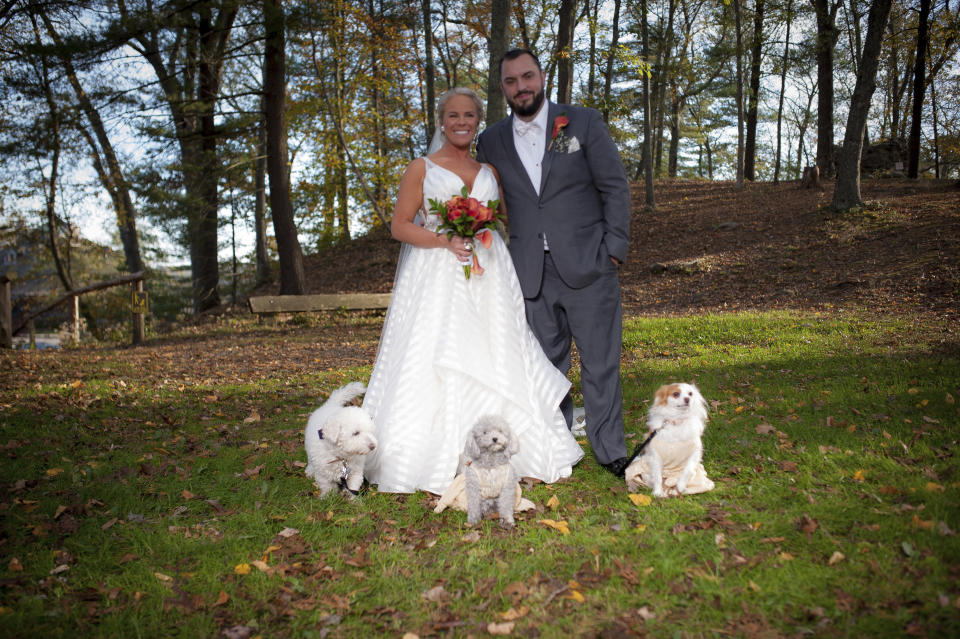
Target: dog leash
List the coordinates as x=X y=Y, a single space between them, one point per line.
x=639 y=449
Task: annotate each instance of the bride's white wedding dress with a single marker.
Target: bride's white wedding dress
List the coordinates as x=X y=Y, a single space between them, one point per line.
x=454 y=349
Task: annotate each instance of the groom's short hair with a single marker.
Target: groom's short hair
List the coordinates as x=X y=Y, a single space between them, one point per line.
x=513 y=54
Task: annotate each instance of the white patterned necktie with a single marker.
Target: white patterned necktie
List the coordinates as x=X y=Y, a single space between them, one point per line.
x=524 y=129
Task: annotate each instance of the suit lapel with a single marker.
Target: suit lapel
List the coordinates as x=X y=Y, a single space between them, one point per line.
x=552 y=113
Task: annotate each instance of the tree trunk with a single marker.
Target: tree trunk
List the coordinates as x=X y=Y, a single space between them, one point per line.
x=846 y=194
x=274 y=88
x=260 y=201
x=564 y=55
x=750 y=151
x=428 y=72
x=111 y=175
x=674 y=151
x=647 y=141
x=783 y=88
x=919 y=88
x=499 y=23
x=827 y=34
x=608 y=76
x=191 y=89
x=592 y=59
x=739 y=55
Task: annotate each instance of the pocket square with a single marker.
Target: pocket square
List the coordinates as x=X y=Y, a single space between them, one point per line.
x=574 y=145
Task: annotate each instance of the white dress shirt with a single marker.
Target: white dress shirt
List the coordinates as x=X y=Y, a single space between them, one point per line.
x=529 y=139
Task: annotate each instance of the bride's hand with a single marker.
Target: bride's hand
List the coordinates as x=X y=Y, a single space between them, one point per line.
x=461 y=247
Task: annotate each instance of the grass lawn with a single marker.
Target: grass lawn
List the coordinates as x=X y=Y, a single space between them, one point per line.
x=146 y=500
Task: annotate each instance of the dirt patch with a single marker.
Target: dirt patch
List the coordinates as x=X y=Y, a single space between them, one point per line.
x=710 y=247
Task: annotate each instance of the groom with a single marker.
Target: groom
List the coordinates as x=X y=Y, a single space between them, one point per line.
x=568 y=205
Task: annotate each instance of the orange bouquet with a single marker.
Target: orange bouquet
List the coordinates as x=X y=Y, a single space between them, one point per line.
x=465 y=216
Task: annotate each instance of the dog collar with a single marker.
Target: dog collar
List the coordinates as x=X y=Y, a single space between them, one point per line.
x=344 y=475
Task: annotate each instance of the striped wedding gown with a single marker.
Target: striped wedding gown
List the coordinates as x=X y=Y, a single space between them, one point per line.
x=453 y=350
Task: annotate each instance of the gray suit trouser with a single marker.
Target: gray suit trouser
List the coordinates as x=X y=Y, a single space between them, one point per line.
x=592 y=317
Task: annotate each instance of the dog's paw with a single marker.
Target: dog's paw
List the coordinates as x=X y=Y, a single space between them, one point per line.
x=507 y=524
x=682 y=487
x=658 y=492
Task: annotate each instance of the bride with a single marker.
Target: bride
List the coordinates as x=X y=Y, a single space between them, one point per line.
x=454 y=349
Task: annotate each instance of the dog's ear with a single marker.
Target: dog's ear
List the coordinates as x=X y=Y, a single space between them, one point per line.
x=331 y=430
x=514 y=442
x=471 y=449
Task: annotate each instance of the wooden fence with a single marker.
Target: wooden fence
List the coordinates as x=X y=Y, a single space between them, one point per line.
x=138 y=298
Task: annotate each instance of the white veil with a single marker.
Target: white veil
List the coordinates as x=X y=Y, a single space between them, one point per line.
x=438 y=139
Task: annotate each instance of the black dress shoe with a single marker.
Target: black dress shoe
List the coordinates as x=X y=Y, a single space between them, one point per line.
x=617 y=466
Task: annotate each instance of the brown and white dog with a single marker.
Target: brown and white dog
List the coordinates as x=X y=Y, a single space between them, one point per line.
x=671 y=461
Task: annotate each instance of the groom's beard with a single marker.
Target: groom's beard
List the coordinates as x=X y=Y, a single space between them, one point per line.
x=531 y=109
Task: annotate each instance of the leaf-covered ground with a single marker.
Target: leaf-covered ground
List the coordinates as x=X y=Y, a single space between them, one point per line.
x=159 y=490
x=769 y=246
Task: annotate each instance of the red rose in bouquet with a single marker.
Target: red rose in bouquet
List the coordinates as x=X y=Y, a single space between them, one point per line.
x=465 y=216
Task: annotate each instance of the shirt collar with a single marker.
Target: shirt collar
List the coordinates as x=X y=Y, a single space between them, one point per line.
x=540 y=119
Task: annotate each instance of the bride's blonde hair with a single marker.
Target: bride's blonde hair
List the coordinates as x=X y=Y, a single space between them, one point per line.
x=470 y=93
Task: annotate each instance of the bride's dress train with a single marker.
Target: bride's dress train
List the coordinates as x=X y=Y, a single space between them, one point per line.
x=454 y=349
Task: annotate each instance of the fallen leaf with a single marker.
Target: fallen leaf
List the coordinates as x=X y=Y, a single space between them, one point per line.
x=288 y=532
x=60 y=511
x=15 y=565
x=754 y=586
x=923 y=524
x=222 y=598
x=260 y=565
x=559 y=525
x=785 y=556
x=944 y=529
x=53 y=472
x=109 y=524
x=640 y=500
x=162 y=577
x=515 y=613
x=252 y=418
x=187 y=495
x=858 y=476
x=504 y=628
x=807 y=525
x=933 y=487
x=471 y=537
x=646 y=614
x=836 y=558
x=577 y=596
x=765 y=429
x=435 y=594
x=950 y=399
x=697 y=571
x=907 y=549
x=553 y=503
x=720 y=540
x=242 y=569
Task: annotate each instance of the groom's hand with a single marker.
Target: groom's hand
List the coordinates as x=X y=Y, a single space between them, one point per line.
x=615 y=261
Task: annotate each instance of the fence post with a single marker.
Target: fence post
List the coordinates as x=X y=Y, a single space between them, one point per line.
x=6 y=314
x=139 y=308
x=76 y=320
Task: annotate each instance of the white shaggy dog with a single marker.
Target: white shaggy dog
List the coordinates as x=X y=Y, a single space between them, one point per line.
x=491 y=481
x=670 y=462
x=338 y=439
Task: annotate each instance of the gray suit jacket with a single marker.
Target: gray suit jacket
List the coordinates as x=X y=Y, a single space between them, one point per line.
x=584 y=201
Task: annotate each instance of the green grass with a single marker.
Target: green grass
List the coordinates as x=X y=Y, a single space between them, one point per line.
x=827 y=435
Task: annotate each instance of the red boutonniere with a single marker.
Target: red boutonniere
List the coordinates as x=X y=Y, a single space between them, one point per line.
x=558 y=124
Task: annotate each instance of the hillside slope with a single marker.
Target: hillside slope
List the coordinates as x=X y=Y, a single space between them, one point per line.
x=708 y=247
